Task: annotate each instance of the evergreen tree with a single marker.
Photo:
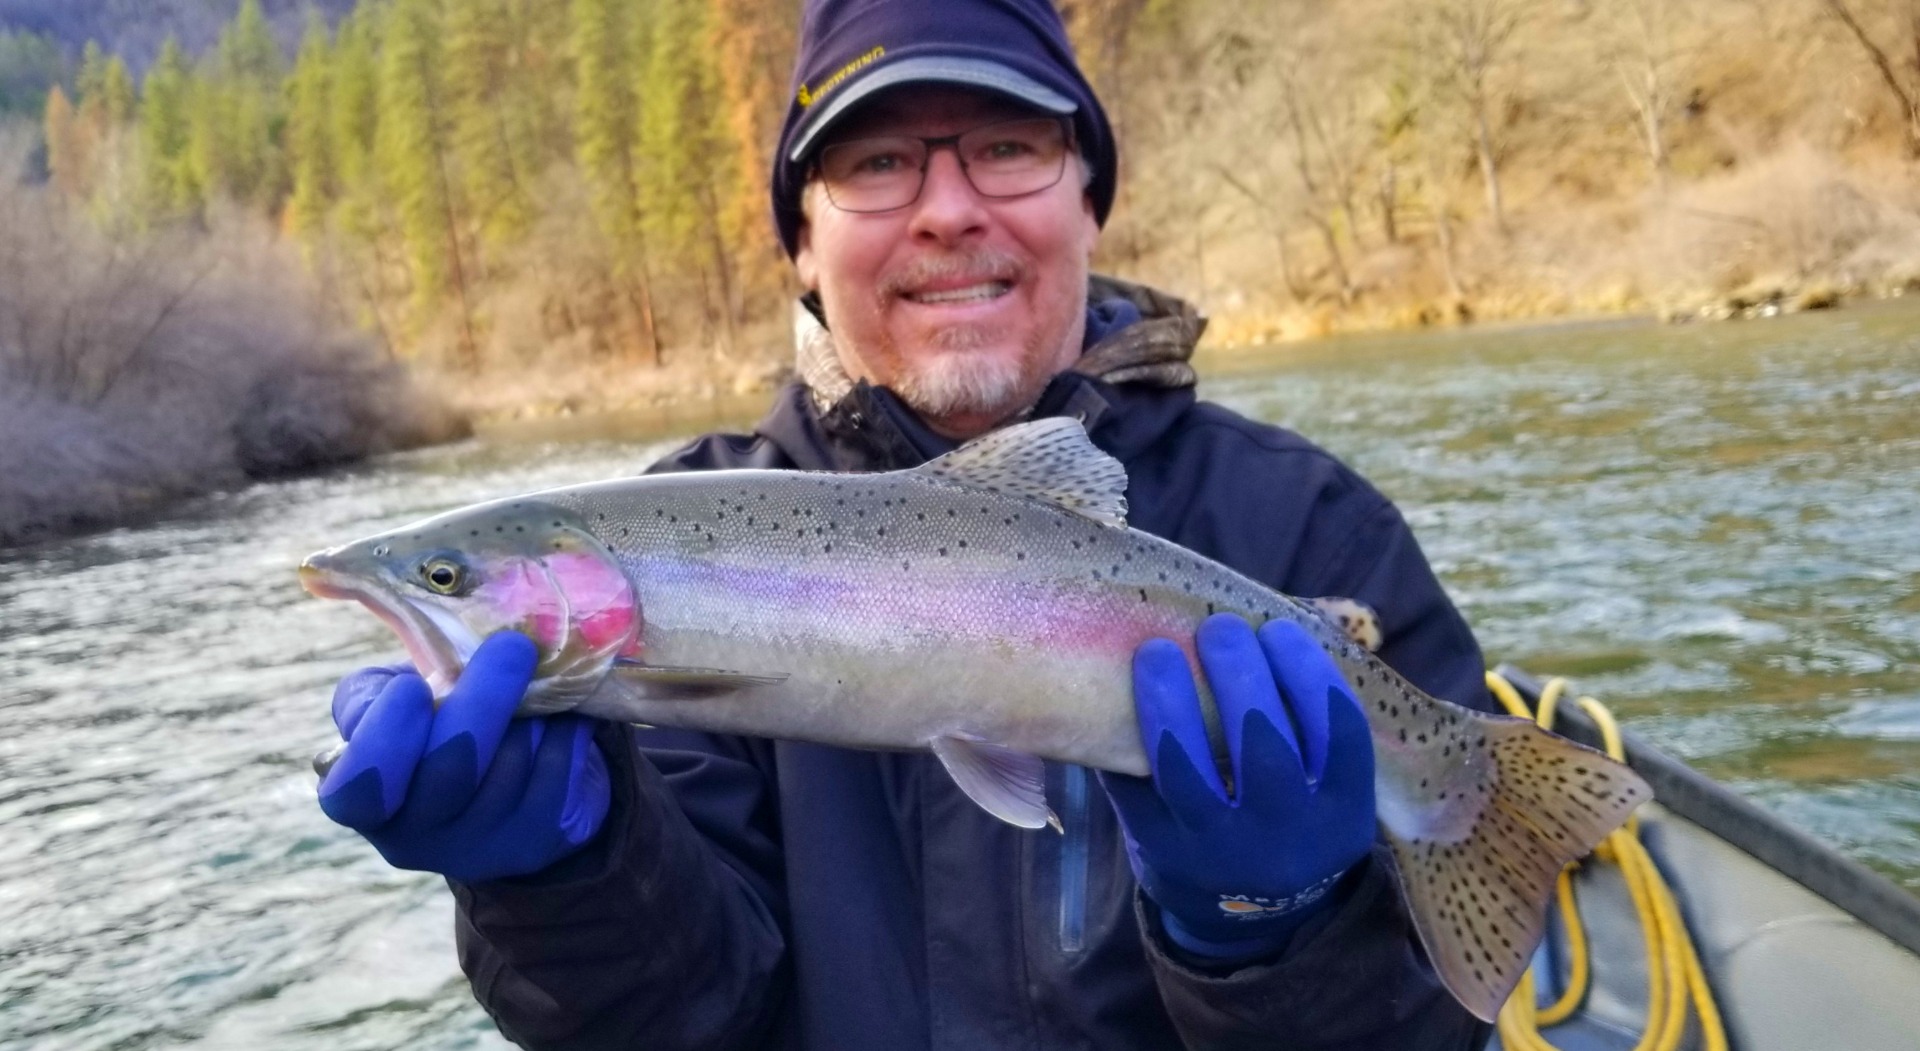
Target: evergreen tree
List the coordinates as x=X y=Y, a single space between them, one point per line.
x=687 y=159
x=165 y=133
x=91 y=83
x=244 y=111
x=116 y=93
x=309 y=131
x=414 y=154
x=209 y=133
x=605 y=123
x=480 y=87
x=247 y=49
x=355 y=122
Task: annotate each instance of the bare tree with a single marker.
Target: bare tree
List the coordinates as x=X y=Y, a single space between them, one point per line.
x=1465 y=45
x=1904 y=91
x=1647 y=60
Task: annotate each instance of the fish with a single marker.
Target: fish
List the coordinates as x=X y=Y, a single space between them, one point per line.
x=984 y=607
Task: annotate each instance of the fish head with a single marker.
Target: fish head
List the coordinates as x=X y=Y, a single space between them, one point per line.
x=522 y=565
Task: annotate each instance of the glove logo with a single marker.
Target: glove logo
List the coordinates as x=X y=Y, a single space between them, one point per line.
x=1248 y=906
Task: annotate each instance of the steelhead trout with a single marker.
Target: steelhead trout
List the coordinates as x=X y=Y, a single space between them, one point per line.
x=985 y=607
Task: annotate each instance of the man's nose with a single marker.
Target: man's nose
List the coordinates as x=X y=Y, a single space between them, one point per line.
x=949 y=207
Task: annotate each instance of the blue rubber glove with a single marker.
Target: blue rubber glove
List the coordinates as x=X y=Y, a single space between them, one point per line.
x=467 y=791
x=1235 y=875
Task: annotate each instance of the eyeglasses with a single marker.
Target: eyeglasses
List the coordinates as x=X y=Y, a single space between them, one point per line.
x=1009 y=159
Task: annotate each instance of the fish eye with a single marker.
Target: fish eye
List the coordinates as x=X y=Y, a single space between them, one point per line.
x=443 y=575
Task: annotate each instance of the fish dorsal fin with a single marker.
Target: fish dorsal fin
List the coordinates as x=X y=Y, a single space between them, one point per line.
x=1050 y=460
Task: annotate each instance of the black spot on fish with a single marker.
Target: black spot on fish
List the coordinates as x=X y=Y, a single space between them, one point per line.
x=1143 y=594
x=943 y=550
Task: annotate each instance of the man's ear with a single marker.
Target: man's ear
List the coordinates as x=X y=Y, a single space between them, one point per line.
x=803 y=262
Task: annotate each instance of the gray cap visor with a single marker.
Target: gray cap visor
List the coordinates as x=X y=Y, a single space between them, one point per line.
x=932 y=69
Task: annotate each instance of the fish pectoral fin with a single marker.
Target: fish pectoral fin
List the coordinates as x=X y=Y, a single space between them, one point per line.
x=1010 y=785
x=1050 y=460
x=655 y=682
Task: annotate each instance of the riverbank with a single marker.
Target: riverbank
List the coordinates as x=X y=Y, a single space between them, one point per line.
x=137 y=369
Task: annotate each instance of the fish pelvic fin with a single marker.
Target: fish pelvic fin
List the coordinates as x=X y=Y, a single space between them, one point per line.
x=1480 y=901
x=1051 y=460
x=1010 y=785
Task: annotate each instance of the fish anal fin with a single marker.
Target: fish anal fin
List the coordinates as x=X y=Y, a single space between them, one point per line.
x=1050 y=460
x=663 y=683
x=1480 y=899
x=1356 y=619
x=1010 y=785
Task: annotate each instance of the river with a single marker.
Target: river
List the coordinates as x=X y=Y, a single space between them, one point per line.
x=1712 y=528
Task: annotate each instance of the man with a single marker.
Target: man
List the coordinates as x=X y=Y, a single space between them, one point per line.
x=940 y=184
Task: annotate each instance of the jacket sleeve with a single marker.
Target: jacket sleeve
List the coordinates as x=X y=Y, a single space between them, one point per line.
x=1355 y=977
x=665 y=932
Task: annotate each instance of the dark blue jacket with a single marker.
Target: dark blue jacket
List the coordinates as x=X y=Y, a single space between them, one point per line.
x=753 y=893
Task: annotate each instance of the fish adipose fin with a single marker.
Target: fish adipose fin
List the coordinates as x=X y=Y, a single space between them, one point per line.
x=1357 y=619
x=1479 y=899
x=1050 y=460
x=1010 y=785
x=658 y=683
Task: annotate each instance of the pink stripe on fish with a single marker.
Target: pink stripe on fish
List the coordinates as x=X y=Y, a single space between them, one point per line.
x=605 y=613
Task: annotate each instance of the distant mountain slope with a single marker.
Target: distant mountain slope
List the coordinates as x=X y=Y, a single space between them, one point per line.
x=134 y=29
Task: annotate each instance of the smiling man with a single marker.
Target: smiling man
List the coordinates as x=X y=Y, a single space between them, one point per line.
x=941 y=181
x=949 y=250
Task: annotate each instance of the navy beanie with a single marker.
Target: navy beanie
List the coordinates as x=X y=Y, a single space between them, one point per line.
x=851 y=49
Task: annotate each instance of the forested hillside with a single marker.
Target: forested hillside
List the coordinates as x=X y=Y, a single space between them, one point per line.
x=134 y=29
x=496 y=184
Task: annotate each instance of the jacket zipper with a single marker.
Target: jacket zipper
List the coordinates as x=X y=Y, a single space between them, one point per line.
x=1073 y=860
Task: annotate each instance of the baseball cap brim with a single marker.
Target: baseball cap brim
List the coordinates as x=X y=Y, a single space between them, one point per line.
x=932 y=69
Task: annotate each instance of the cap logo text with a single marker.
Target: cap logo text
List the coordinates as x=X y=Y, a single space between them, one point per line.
x=809 y=96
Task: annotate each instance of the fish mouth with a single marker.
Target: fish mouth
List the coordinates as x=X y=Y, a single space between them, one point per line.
x=432 y=653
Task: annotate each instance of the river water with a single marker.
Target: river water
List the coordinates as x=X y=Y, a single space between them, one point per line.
x=1712 y=528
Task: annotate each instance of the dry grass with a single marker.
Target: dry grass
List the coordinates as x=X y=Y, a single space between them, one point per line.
x=137 y=369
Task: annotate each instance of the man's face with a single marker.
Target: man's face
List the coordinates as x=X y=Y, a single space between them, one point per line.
x=964 y=305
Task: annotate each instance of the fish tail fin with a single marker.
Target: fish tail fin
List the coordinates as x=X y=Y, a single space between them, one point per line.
x=1480 y=900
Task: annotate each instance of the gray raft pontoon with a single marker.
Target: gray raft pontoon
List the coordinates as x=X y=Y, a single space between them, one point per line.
x=1805 y=950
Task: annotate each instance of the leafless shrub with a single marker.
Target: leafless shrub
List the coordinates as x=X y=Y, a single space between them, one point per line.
x=139 y=369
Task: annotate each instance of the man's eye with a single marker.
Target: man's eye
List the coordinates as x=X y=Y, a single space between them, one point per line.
x=879 y=164
x=1008 y=149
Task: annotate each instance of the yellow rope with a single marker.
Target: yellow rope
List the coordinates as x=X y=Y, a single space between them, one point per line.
x=1674 y=975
